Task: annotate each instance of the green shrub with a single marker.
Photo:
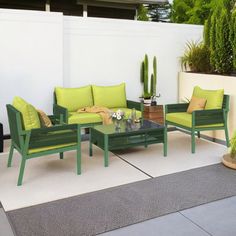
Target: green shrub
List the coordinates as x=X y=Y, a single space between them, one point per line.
x=233 y=37
x=207 y=28
x=212 y=39
x=196 y=58
x=233 y=146
x=223 y=48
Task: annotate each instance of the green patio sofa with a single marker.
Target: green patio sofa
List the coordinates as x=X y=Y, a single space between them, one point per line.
x=213 y=117
x=68 y=100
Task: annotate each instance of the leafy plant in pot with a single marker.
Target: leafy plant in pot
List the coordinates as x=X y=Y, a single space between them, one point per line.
x=196 y=58
x=149 y=96
x=229 y=159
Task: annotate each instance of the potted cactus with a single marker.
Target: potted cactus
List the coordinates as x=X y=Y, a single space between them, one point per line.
x=149 y=95
x=229 y=159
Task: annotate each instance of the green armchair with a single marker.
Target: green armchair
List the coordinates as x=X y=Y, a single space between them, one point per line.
x=199 y=120
x=41 y=141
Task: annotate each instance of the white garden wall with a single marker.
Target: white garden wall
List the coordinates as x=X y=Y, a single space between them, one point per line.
x=41 y=50
x=31 y=57
x=107 y=52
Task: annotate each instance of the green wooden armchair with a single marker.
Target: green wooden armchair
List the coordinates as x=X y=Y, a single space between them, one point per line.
x=42 y=141
x=200 y=120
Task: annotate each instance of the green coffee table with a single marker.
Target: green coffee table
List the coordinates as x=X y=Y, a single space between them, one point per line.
x=108 y=138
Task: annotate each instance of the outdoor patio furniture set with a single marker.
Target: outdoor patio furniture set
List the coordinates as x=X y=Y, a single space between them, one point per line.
x=34 y=134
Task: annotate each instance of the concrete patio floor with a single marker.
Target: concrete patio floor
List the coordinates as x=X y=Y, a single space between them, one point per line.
x=42 y=174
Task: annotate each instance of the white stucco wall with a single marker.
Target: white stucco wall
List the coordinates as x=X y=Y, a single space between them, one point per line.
x=31 y=60
x=106 y=52
x=41 y=50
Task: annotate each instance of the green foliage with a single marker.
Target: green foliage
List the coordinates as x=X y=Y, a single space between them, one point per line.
x=145 y=78
x=200 y=12
x=196 y=58
x=142 y=13
x=223 y=48
x=233 y=37
x=212 y=40
x=180 y=9
x=233 y=146
x=206 y=34
x=197 y=11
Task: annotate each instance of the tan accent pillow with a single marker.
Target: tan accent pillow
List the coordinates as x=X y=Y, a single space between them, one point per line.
x=46 y=122
x=196 y=104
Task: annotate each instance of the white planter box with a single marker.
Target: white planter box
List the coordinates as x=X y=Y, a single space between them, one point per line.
x=187 y=81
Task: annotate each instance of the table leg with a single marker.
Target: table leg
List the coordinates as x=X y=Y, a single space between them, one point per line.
x=106 y=162
x=165 y=141
x=90 y=145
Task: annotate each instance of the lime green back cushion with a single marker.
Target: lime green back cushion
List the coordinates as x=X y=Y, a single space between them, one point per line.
x=74 y=98
x=29 y=113
x=109 y=96
x=214 y=97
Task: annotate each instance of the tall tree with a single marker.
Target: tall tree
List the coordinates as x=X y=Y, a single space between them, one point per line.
x=180 y=9
x=233 y=37
x=223 y=48
x=142 y=13
x=207 y=31
x=200 y=12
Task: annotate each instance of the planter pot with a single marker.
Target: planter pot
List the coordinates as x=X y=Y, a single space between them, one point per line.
x=228 y=161
x=147 y=101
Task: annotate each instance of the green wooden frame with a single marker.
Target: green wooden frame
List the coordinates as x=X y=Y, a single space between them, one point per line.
x=202 y=118
x=25 y=140
x=127 y=139
x=62 y=111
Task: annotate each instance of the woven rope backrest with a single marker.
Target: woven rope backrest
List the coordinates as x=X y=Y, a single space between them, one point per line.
x=15 y=124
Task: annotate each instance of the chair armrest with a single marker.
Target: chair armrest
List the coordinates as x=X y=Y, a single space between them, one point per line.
x=56 y=119
x=60 y=111
x=63 y=127
x=137 y=105
x=56 y=135
x=209 y=117
x=179 y=107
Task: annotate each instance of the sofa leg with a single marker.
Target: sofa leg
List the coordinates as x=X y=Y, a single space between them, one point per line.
x=193 y=141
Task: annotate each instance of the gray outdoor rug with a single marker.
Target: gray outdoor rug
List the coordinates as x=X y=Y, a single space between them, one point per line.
x=112 y=208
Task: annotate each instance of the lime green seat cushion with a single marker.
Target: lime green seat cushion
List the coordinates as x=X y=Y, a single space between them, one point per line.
x=109 y=96
x=48 y=148
x=185 y=119
x=83 y=118
x=214 y=97
x=74 y=98
x=29 y=114
x=128 y=111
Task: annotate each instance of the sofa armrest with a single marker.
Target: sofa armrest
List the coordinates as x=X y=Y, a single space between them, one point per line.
x=56 y=119
x=209 y=117
x=60 y=112
x=137 y=105
x=179 y=107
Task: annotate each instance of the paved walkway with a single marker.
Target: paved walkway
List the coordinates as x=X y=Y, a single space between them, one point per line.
x=215 y=219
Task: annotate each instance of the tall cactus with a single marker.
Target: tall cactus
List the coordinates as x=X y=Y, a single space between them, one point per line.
x=145 y=78
x=154 y=77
